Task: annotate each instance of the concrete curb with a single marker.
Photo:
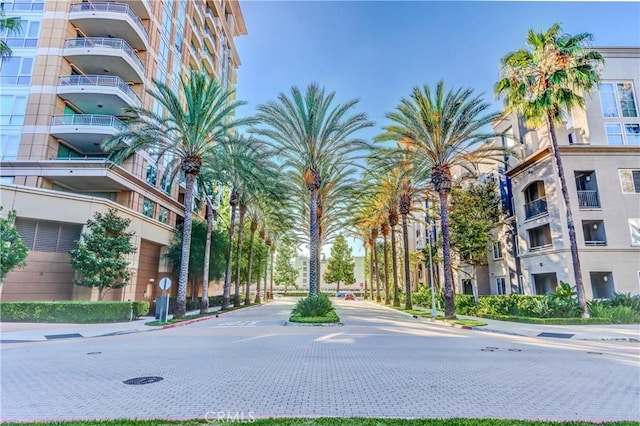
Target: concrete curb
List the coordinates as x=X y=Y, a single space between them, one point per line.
x=208 y=317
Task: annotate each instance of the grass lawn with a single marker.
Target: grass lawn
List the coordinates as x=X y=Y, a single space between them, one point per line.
x=330 y=318
x=426 y=314
x=353 y=421
x=192 y=317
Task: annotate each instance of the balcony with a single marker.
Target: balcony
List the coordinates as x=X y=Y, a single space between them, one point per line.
x=535 y=208
x=113 y=56
x=209 y=39
x=588 y=199
x=98 y=94
x=116 y=20
x=85 y=132
x=142 y=8
x=208 y=63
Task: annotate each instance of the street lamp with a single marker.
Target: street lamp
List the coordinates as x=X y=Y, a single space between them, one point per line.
x=433 y=295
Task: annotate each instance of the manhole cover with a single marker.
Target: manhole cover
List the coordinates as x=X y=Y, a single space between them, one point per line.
x=143 y=380
x=558 y=335
x=515 y=350
x=486 y=350
x=594 y=353
x=93 y=353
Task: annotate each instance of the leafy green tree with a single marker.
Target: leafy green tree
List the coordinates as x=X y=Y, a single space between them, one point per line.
x=447 y=129
x=101 y=254
x=474 y=212
x=217 y=259
x=284 y=272
x=340 y=265
x=12 y=251
x=541 y=83
x=310 y=132
x=199 y=118
x=10 y=26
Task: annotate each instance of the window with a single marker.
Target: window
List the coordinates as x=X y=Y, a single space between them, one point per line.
x=165 y=183
x=151 y=175
x=12 y=109
x=24 y=5
x=28 y=36
x=540 y=238
x=147 y=207
x=634 y=227
x=616 y=135
x=593 y=231
x=618 y=100
x=6 y=179
x=55 y=237
x=602 y=285
x=630 y=181
x=497 y=250
x=9 y=145
x=163 y=215
x=16 y=70
x=501 y=286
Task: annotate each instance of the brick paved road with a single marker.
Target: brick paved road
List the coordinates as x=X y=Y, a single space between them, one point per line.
x=381 y=363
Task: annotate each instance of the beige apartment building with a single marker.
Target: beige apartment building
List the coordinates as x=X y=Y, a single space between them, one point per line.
x=75 y=66
x=600 y=150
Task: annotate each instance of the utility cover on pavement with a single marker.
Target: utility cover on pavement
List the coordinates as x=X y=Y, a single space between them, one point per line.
x=143 y=380
x=558 y=335
x=63 y=336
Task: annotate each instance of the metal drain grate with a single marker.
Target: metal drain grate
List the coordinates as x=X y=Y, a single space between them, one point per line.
x=143 y=380
x=62 y=336
x=557 y=335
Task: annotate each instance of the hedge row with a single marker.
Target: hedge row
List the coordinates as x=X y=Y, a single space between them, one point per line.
x=550 y=321
x=72 y=311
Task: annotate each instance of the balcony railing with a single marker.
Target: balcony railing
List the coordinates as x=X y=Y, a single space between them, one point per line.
x=535 y=208
x=98 y=81
x=113 y=8
x=587 y=199
x=595 y=243
x=88 y=120
x=541 y=247
x=110 y=43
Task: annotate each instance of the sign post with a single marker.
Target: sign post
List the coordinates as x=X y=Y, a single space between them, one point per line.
x=165 y=284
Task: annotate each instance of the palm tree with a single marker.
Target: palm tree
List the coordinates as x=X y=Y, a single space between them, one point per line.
x=198 y=119
x=10 y=26
x=540 y=84
x=440 y=128
x=308 y=132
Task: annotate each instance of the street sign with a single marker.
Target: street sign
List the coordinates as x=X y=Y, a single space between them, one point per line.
x=361 y=285
x=164 y=283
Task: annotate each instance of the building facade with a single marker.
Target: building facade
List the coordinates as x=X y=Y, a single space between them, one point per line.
x=600 y=150
x=75 y=66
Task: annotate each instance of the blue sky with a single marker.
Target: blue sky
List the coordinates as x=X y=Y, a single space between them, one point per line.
x=377 y=51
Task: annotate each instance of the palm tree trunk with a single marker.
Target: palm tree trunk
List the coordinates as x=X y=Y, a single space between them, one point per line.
x=575 y=258
x=204 y=303
x=366 y=287
x=226 y=291
x=407 y=273
x=236 y=295
x=247 y=295
x=449 y=302
x=394 y=265
x=377 y=270
x=181 y=301
x=314 y=253
x=266 y=271
x=387 y=299
x=271 y=276
x=371 y=262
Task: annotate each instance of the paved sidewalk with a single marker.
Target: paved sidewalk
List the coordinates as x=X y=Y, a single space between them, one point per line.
x=30 y=332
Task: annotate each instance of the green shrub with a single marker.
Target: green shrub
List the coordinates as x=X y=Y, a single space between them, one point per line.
x=66 y=311
x=215 y=301
x=465 y=304
x=550 y=321
x=423 y=297
x=313 y=306
x=140 y=308
x=331 y=317
x=623 y=315
x=620 y=299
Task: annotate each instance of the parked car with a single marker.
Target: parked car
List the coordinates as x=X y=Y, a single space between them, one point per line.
x=341 y=294
x=349 y=296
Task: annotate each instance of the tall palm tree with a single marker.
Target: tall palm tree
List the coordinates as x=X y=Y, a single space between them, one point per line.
x=540 y=83
x=198 y=118
x=10 y=26
x=441 y=128
x=308 y=131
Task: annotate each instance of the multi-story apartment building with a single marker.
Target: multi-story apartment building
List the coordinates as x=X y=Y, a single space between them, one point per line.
x=301 y=263
x=75 y=66
x=600 y=150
